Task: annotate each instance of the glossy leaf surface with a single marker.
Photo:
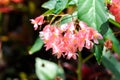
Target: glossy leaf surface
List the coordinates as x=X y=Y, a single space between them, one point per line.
x=37 y=46
x=47 y=70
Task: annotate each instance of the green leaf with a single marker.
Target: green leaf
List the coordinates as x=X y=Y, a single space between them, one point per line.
x=60 y=5
x=66 y=19
x=93 y=12
x=37 y=46
x=47 y=70
x=104 y=28
x=48 y=12
x=111 y=63
x=50 y=4
x=98 y=51
x=116 y=45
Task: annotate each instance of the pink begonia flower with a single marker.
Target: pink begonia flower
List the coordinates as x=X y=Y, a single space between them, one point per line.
x=83 y=25
x=81 y=39
x=88 y=44
x=50 y=35
x=71 y=26
x=46 y=33
x=64 y=27
x=58 y=49
x=96 y=36
x=37 y=21
x=70 y=42
x=66 y=40
x=68 y=26
x=91 y=34
x=115 y=9
x=71 y=55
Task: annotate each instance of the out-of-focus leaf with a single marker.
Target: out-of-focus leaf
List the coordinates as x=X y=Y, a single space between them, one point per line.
x=111 y=63
x=50 y=4
x=60 y=5
x=47 y=70
x=93 y=12
x=116 y=45
x=31 y=7
x=37 y=46
x=73 y=2
x=23 y=76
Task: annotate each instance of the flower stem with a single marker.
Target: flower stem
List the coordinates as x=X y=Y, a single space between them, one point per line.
x=114 y=23
x=87 y=58
x=79 y=69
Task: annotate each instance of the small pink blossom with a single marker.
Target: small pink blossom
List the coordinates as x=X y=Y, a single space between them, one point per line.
x=83 y=25
x=71 y=26
x=50 y=35
x=64 y=27
x=37 y=21
x=97 y=36
x=91 y=34
x=68 y=26
x=81 y=39
x=46 y=33
x=89 y=44
x=71 y=55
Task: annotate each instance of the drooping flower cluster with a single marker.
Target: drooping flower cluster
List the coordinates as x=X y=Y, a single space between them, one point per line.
x=115 y=9
x=67 y=39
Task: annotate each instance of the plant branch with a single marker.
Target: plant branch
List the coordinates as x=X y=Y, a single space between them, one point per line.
x=114 y=23
x=79 y=69
x=87 y=58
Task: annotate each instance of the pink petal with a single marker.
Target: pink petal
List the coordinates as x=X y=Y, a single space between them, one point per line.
x=82 y=25
x=88 y=44
x=35 y=26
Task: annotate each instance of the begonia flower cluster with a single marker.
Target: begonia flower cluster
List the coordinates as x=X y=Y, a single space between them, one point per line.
x=67 y=39
x=115 y=9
